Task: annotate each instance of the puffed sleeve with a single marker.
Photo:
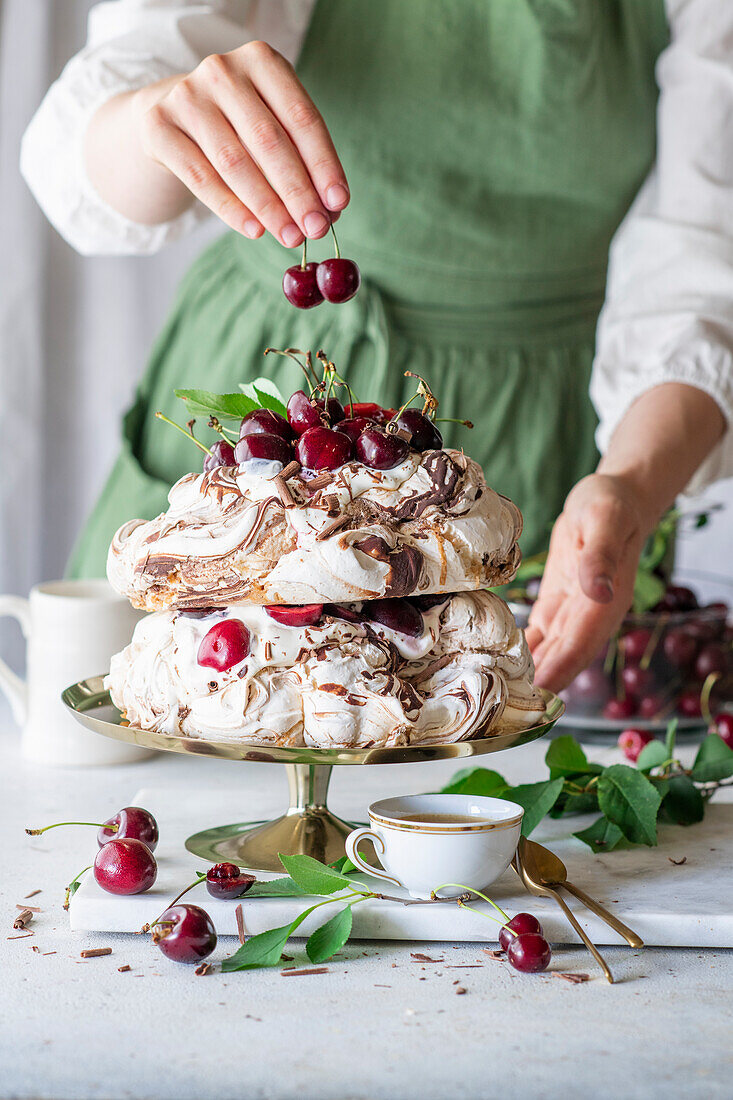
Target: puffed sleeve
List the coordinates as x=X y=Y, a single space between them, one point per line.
x=668 y=314
x=130 y=44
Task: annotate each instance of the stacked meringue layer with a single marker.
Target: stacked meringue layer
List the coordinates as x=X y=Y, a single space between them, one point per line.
x=337 y=684
x=238 y=540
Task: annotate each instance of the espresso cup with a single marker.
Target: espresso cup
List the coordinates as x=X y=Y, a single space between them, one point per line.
x=423 y=854
x=72 y=629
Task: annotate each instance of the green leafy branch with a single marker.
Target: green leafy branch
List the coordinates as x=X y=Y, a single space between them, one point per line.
x=630 y=801
x=307 y=876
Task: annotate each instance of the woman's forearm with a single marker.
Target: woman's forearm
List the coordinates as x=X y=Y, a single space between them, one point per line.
x=119 y=169
x=659 y=444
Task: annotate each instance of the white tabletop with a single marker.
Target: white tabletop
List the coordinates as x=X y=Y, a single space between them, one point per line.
x=376 y=1025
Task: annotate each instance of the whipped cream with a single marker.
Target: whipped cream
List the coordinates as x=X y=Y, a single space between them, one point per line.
x=430 y=524
x=338 y=684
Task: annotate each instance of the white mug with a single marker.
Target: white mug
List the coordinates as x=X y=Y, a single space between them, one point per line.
x=423 y=854
x=72 y=629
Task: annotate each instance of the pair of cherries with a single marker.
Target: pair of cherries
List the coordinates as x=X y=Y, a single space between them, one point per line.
x=228 y=643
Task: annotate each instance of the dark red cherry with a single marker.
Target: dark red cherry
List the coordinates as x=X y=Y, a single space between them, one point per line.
x=634 y=644
x=425 y=435
x=266 y=421
x=185 y=933
x=712 y=658
x=338 y=279
x=222 y=454
x=396 y=614
x=529 y=953
x=226 y=880
x=650 y=706
x=381 y=450
x=688 y=704
x=225 y=645
x=523 y=922
x=272 y=448
x=631 y=742
x=590 y=690
x=341 y=611
x=303 y=413
x=307 y=614
x=300 y=286
x=354 y=427
x=427 y=603
x=723 y=726
x=370 y=410
x=133 y=823
x=618 y=710
x=679 y=647
x=125 y=867
x=677 y=598
x=637 y=681
x=323 y=449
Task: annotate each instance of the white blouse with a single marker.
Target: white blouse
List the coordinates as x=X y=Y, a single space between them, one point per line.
x=668 y=314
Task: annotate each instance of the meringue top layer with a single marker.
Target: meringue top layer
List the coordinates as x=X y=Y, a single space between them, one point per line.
x=245 y=535
x=337 y=684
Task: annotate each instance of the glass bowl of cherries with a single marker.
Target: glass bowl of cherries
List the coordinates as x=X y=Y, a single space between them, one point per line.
x=672 y=656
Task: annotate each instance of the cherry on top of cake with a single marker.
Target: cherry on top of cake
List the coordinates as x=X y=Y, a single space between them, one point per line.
x=314 y=427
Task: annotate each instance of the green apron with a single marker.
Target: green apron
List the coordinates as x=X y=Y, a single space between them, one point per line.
x=492 y=147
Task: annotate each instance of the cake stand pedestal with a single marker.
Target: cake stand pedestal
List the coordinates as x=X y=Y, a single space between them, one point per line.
x=307 y=827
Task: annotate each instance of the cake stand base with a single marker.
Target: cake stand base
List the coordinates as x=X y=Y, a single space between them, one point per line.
x=307 y=828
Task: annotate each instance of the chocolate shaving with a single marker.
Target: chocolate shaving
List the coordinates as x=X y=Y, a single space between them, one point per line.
x=49 y=952
x=320 y=481
x=123 y=969
x=241 y=930
x=24 y=917
x=95 y=952
x=286 y=497
x=204 y=968
x=36 y=949
x=332 y=504
x=300 y=973
x=574 y=979
x=677 y=862
x=23 y=937
x=331 y=527
x=419 y=957
x=461 y=989
x=464 y=966
x=29 y=908
x=33 y=893
x=292 y=467
x=494 y=954
x=268 y=651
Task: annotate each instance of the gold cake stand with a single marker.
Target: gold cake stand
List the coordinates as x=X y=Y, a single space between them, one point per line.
x=308 y=826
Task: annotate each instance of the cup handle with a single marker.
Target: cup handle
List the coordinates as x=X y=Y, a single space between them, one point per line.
x=12 y=685
x=353 y=841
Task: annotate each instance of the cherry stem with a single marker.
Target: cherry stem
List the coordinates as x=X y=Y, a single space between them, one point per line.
x=201 y=877
x=304 y=261
x=188 y=434
x=97 y=824
x=226 y=434
x=705 y=693
x=452 y=420
x=470 y=889
x=70 y=888
x=335 y=242
x=653 y=641
x=307 y=367
x=430 y=406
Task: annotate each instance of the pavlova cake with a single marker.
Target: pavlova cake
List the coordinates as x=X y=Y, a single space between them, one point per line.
x=323 y=582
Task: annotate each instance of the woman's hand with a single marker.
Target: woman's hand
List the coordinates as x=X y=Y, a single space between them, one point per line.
x=588 y=582
x=240 y=133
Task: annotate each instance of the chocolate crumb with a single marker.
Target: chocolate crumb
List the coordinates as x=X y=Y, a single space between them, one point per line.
x=677 y=862
x=95 y=952
x=574 y=979
x=241 y=930
x=494 y=954
x=123 y=969
x=36 y=949
x=419 y=957
x=461 y=989
x=292 y=973
x=204 y=968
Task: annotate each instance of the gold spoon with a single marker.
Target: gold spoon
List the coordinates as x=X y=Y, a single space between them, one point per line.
x=550 y=870
x=535 y=886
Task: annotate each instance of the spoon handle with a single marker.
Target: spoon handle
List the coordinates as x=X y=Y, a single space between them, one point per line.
x=591 y=946
x=613 y=922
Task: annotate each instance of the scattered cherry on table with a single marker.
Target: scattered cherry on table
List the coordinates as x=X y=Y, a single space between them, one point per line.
x=227 y=881
x=125 y=867
x=529 y=952
x=185 y=933
x=130 y=823
x=517 y=926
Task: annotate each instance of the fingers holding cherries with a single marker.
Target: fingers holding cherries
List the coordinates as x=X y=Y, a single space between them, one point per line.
x=245 y=138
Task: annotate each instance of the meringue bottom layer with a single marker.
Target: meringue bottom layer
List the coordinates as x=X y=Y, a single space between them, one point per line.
x=339 y=684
